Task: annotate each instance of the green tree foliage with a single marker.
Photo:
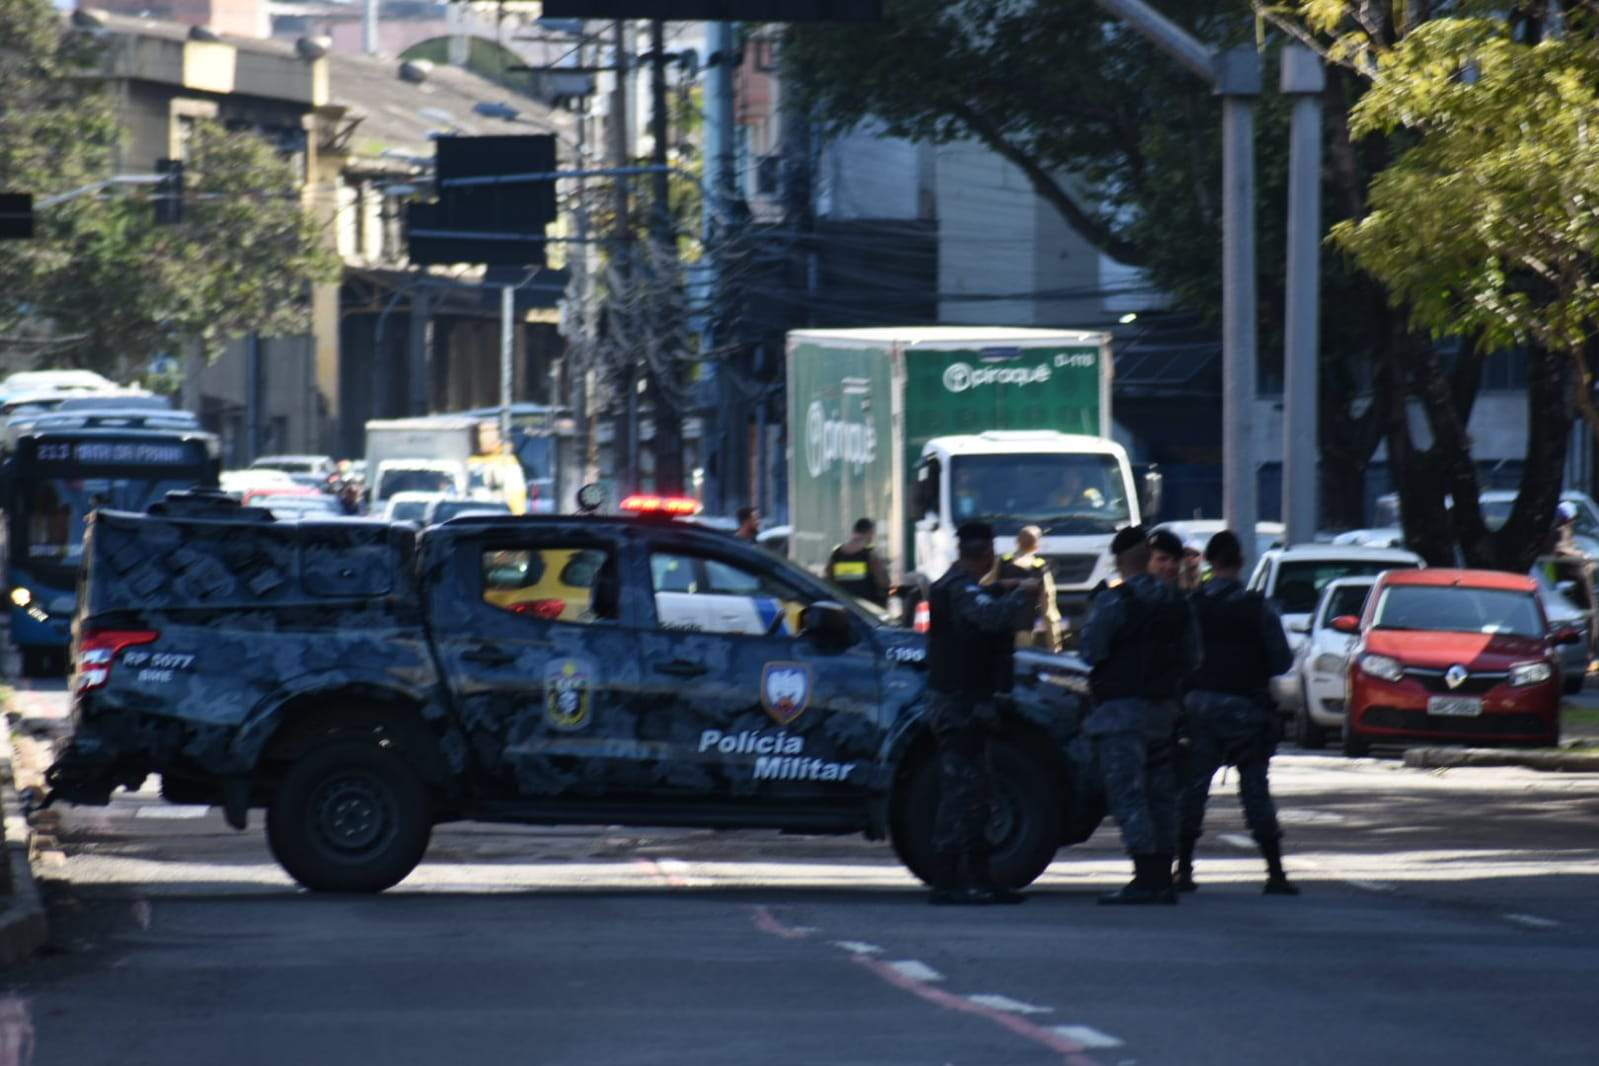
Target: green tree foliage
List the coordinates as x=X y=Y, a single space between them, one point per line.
x=110 y=284
x=1482 y=227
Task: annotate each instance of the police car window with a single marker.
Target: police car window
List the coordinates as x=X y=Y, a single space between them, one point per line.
x=704 y=595
x=559 y=583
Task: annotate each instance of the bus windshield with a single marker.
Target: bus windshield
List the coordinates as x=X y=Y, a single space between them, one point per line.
x=56 y=509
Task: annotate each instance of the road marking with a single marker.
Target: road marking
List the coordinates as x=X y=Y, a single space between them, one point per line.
x=1371 y=886
x=856 y=947
x=1010 y=1006
x=16 y=1031
x=141 y=913
x=767 y=922
x=172 y=811
x=1058 y=1042
x=1087 y=1036
x=1532 y=921
x=1237 y=840
x=913 y=970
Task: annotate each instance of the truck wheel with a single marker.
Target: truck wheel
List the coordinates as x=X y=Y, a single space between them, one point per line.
x=349 y=817
x=1024 y=830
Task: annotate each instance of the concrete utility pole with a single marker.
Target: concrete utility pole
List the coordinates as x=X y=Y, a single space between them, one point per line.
x=667 y=440
x=1235 y=76
x=1304 y=80
x=624 y=250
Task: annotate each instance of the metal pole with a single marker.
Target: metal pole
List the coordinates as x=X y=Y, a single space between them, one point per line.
x=718 y=200
x=369 y=28
x=1238 y=83
x=620 y=152
x=507 y=311
x=1304 y=80
x=252 y=398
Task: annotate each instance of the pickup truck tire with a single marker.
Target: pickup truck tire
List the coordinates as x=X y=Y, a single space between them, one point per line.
x=349 y=817
x=1025 y=830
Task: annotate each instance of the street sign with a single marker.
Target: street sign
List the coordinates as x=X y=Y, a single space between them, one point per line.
x=16 y=215
x=719 y=10
x=497 y=222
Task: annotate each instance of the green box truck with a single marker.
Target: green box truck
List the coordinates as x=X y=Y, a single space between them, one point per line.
x=922 y=429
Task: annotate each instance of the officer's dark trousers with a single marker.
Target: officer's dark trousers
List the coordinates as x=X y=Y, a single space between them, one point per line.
x=1227 y=730
x=1132 y=741
x=965 y=777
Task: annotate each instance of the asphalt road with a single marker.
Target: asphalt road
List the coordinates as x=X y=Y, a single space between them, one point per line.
x=1447 y=917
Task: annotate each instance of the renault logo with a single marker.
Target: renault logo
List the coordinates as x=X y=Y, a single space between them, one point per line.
x=1456 y=676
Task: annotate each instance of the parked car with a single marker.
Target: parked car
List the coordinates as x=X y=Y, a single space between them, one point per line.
x=237 y=482
x=1496 y=505
x=1383 y=537
x=1293 y=580
x=1198 y=531
x=316 y=471
x=1321 y=663
x=1453 y=655
x=1563 y=607
x=411 y=506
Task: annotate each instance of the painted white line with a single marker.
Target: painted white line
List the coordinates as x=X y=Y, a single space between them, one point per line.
x=1010 y=1006
x=1237 y=840
x=916 y=971
x=1087 y=1036
x=856 y=947
x=178 y=811
x=1532 y=921
x=1371 y=886
x=673 y=867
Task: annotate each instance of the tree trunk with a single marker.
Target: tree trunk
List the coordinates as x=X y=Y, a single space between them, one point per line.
x=1415 y=473
x=1550 y=411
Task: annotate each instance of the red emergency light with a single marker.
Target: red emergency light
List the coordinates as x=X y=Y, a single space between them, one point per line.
x=666 y=506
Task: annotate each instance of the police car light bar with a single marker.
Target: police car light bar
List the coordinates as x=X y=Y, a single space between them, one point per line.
x=667 y=506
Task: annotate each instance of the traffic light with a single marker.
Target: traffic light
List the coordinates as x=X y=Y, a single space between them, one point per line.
x=169 y=192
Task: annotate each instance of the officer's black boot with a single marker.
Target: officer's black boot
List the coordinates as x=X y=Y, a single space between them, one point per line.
x=1151 y=883
x=1277 y=883
x=1185 y=868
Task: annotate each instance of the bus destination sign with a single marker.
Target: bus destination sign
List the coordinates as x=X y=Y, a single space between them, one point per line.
x=115 y=453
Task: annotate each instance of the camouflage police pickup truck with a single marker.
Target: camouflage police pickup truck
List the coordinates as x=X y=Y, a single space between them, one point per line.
x=363 y=683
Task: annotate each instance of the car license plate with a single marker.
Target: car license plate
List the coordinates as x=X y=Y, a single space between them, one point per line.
x=1454 y=706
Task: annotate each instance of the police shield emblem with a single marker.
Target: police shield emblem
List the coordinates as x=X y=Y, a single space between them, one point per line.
x=568 y=694
x=785 y=690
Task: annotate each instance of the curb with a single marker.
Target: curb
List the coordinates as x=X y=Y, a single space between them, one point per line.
x=24 y=926
x=1441 y=758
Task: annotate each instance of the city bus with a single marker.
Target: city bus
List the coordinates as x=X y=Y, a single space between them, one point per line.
x=58 y=467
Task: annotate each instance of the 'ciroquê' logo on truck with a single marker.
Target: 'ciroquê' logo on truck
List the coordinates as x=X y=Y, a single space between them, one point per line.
x=827 y=440
x=958 y=377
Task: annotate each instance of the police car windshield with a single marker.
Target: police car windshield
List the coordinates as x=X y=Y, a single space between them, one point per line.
x=1064 y=494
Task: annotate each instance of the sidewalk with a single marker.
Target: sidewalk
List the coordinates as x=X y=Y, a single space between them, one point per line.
x=23 y=925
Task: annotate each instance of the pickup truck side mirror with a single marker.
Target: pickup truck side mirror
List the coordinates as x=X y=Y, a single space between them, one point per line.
x=1567 y=635
x=827 y=623
x=1346 y=623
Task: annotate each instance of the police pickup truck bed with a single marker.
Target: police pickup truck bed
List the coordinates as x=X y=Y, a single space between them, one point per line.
x=363 y=683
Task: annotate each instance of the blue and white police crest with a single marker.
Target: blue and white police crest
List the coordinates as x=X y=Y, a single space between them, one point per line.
x=568 y=694
x=785 y=690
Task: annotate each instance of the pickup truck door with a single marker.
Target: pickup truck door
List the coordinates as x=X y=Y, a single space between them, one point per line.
x=539 y=657
x=750 y=708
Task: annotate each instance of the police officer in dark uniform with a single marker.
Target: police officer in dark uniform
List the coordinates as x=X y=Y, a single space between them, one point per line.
x=856 y=568
x=1229 y=717
x=1140 y=641
x=971 y=650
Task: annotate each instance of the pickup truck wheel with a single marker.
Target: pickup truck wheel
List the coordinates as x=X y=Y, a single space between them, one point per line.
x=1024 y=831
x=349 y=817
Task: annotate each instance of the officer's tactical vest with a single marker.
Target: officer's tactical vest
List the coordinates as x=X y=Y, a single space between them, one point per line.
x=1146 y=660
x=1010 y=568
x=1234 y=658
x=962 y=660
x=852 y=572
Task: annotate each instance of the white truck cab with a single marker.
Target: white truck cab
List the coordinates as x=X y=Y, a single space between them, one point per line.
x=1079 y=490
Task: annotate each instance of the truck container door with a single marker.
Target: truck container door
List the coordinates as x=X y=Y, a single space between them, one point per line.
x=752 y=709
x=540 y=660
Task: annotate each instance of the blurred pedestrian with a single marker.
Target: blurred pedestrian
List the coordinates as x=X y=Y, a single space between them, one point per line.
x=1140 y=641
x=1229 y=718
x=1026 y=564
x=749 y=523
x=855 y=566
x=970 y=653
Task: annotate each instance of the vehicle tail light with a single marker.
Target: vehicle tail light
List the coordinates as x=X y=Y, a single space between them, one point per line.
x=544 y=610
x=97 y=650
x=922 y=620
x=669 y=506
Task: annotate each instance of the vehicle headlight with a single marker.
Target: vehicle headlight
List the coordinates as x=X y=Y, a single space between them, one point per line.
x=1329 y=663
x=1380 y=666
x=1523 y=674
x=21 y=596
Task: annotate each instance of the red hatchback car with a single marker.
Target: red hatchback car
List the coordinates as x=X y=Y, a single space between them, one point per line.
x=1453 y=655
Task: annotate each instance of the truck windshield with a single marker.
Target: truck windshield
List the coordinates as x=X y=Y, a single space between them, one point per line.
x=1063 y=494
x=411 y=479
